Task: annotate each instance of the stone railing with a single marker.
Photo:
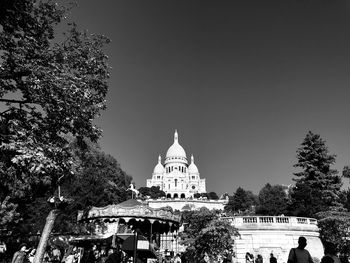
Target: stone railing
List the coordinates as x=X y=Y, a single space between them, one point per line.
x=273 y=222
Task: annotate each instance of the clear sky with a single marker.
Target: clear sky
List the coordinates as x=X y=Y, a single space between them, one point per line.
x=242 y=82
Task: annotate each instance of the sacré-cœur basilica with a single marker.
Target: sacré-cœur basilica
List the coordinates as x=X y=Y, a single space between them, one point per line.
x=176 y=177
x=180 y=181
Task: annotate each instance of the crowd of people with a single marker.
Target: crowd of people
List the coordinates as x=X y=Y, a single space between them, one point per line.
x=70 y=255
x=94 y=254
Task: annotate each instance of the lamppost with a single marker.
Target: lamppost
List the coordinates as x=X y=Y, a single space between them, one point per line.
x=57 y=203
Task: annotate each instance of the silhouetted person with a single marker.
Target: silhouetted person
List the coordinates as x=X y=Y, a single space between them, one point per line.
x=21 y=255
x=330 y=250
x=259 y=259
x=327 y=259
x=115 y=257
x=300 y=254
x=249 y=258
x=272 y=258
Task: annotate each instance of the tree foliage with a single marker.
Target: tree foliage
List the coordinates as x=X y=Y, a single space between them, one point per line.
x=153 y=192
x=317 y=186
x=210 y=195
x=206 y=235
x=334 y=228
x=273 y=200
x=242 y=201
x=346 y=171
x=50 y=89
x=346 y=199
x=100 y=181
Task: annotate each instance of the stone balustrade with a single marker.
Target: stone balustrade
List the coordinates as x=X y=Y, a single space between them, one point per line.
x=273 y=222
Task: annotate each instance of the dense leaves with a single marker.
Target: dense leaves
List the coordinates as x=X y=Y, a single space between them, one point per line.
x=317 y=186
x=334 y=228
x=153 y=192
x=50 y=89
x=100 y=181
x=242 y=201
x=210 y=195
x=273 y=200
x=206 y=235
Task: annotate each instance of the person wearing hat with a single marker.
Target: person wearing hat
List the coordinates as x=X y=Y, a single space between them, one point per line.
x=20 y=255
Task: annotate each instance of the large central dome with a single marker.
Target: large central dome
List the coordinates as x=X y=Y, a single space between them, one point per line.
x=175 y=151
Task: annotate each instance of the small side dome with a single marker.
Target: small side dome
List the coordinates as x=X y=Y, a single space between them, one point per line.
x=192 y=168
x=159 y=168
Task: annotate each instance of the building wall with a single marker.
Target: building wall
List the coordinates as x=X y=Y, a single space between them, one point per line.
x=177 y=183
x=179 y=204
x=271 y=234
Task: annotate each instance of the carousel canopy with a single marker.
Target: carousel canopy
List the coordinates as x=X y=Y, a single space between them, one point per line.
x=132 y=210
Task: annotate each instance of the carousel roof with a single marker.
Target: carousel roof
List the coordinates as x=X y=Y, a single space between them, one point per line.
x=130 y=209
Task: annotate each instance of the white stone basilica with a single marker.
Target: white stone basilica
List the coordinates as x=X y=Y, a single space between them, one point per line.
x=176 y=178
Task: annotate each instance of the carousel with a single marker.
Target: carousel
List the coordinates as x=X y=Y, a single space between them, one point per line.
x=135 y=228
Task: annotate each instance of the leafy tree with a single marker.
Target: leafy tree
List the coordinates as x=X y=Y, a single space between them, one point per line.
x=272 y=200
x=213 y=196
x=49 y=88
x=334 y=228
x=346 y=199
x=206 y=235
x=210 y=195
x=100 y=181
x=214 y=241
x=346 y=193
x=153 y=192
x=242 y=201
x=346 y=172
x=194 y=222
x=317 y=186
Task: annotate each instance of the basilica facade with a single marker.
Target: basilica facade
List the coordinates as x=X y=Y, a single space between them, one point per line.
x=176 y=177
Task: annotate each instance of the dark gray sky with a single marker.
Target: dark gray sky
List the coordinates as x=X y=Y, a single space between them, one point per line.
x=241 y=81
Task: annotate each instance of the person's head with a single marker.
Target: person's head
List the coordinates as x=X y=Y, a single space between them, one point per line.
x=23 y=247
x=329 y=248
x=327 y=259
x=302 y=242
x=271 y=255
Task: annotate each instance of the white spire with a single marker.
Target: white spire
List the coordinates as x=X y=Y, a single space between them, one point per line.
x=159 y=159
x=176 y=137
x=192 y=168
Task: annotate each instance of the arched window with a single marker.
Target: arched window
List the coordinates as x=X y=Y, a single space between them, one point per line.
x=182 y=196
x=175 y=182
x=176 y=196
x=168 y=196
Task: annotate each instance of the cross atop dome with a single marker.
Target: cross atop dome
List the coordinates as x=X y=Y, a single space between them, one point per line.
x=176 y=137
x=175 y=152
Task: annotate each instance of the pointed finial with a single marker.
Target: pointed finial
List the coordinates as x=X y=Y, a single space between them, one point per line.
x=176 y=136
x=192 y=159
x=159 y=159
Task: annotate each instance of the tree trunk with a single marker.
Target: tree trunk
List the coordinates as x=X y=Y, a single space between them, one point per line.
x=40 y=251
